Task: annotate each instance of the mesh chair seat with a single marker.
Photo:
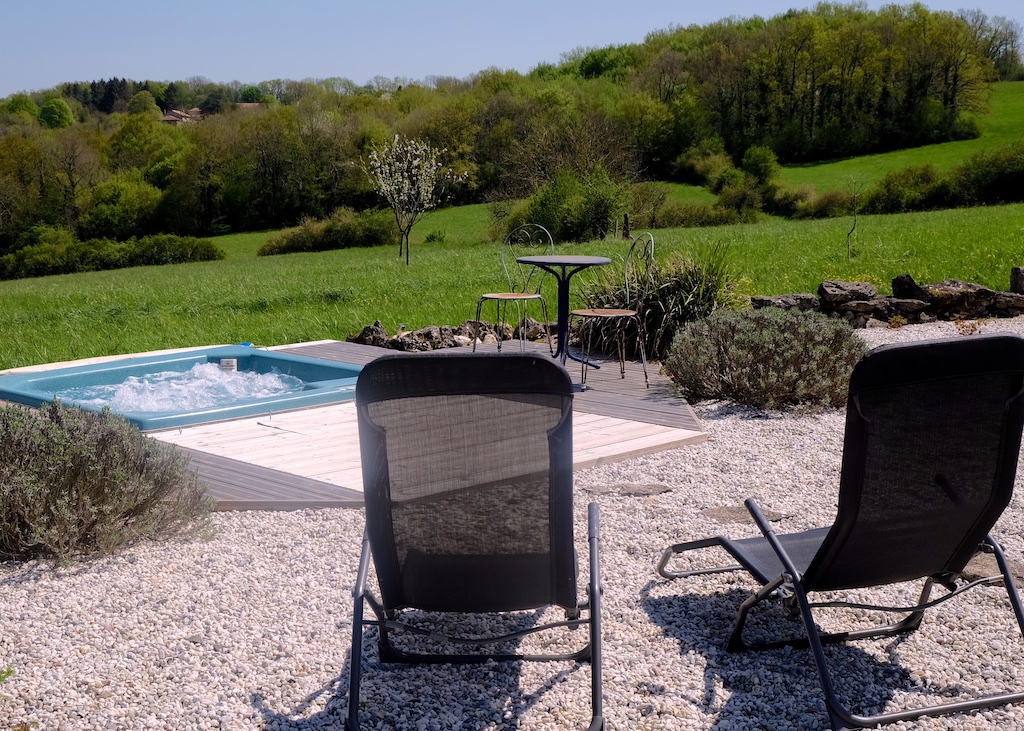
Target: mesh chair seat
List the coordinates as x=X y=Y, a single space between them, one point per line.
x=759 y=558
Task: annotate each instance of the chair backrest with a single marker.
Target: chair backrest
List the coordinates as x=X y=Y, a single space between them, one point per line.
x=530 y=239
x=467 y=476
x=933 y=433
x=638 y=270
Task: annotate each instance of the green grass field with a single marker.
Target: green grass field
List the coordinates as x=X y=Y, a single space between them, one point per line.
x=1003 y=124
x=301 y=297
x=689 y=193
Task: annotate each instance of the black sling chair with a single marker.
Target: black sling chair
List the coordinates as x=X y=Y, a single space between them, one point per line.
x=467 y=476
x=933 y=433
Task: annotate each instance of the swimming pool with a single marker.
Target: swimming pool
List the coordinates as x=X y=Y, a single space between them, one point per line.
x=310 y=382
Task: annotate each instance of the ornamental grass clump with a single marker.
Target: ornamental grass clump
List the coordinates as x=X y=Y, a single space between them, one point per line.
x=769 y=358
x=75 y=482
x=680 y=290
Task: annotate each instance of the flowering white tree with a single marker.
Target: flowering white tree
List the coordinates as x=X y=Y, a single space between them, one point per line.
x=413 y=180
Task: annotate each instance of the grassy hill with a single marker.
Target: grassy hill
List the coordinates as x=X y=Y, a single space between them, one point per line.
x=1003 y=124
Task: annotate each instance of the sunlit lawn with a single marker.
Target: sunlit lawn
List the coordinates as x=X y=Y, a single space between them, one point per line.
x=301 y=297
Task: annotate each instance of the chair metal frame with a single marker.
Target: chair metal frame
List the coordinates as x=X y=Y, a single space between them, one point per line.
x=396 y=377
x=524 y=282
x=791 y=566
x=636 y=277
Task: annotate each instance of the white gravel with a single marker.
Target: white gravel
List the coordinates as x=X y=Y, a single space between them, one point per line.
x=251 y=630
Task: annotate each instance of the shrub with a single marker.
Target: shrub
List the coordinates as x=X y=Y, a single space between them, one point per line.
x=344 y=229
x=786 y=201
x=170 y=249
x=63 y=254
x=768 y=358
x=704 y=163
x=75 y=482
x=678 y=214
x=682 y=290
x=761 y=163
x=572 y=207
x=731 y=178
x=743 y=196
x=991 y=176
x=914 y=188
x=829 y=204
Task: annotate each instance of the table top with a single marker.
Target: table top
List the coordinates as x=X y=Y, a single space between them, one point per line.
x=565 y=260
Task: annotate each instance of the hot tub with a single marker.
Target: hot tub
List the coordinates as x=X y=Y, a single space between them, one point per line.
x=311 y=382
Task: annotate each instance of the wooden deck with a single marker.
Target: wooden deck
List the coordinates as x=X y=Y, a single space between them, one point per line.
x=310 y=458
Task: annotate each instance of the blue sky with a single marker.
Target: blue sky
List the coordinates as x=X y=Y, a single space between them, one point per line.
x=46 y=42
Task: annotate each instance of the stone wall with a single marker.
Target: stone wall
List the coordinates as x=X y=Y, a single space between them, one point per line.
x=434 y=337
x=859 y=303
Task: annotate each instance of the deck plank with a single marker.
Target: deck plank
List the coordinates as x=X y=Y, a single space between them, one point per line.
x=310 y=458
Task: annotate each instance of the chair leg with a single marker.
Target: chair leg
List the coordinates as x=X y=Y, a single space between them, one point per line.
x=356 y=658
x=641 y=337
x=500 y=319
x=908 y=624
x=521 y=310
x=1008 y=582
x=478 y=328
x=840 y=717
x=594 y=539
x=736 y=643
x=620 y=344
x=587 y=350
x=355 y=666
x=547 y=330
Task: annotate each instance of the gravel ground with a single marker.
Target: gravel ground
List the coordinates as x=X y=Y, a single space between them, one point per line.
x=251 y=630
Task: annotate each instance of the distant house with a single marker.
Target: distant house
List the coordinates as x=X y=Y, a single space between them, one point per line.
x=176 y=116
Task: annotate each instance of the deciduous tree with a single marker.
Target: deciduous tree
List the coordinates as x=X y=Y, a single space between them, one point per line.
x=56 y=114
x=22 y=102
x=144 y=104
x=411 y=177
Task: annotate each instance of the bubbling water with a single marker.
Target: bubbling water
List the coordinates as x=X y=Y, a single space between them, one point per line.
x=204 y=386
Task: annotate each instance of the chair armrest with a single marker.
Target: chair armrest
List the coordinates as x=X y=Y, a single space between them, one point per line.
x=773 y=540
x=364 y=567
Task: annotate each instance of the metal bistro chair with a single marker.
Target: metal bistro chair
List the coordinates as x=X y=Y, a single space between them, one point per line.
x=636 y=279
x=524 y=281
x=462 y=522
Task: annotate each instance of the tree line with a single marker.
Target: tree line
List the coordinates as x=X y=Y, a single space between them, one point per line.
x=833 y=81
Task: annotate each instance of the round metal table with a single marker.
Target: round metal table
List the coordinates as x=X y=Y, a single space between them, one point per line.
x=563 y=266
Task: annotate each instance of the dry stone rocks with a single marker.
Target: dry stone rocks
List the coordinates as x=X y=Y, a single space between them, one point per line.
x=434 y=337
x=859 y=304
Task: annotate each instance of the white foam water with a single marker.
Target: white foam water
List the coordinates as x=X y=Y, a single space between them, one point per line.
x=204 y=386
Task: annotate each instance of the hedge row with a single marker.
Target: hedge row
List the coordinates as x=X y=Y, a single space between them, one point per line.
x=343 y=230
x=61 y=253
